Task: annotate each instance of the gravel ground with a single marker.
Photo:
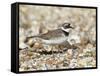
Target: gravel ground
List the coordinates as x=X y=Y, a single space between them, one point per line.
x=36 y=20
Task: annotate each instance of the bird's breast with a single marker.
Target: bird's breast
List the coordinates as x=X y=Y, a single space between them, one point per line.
x=58 y=40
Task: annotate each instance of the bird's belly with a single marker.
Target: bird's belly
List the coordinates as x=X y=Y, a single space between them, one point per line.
x=55 y=41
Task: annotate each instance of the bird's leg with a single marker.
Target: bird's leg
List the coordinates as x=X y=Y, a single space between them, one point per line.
x=76 y=48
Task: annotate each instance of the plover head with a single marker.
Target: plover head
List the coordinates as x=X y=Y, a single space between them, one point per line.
x=66 y=27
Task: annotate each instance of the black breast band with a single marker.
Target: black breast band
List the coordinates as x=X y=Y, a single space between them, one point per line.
x=66 y=33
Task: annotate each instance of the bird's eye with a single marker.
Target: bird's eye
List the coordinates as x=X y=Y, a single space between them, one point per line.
x=65 y=27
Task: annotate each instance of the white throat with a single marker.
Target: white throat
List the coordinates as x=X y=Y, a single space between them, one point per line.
x=66 y=30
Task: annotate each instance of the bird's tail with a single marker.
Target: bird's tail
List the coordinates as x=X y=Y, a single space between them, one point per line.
x=27 y=38
x=33 y=37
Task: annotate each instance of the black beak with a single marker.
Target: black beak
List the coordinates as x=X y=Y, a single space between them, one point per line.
x=71 y=27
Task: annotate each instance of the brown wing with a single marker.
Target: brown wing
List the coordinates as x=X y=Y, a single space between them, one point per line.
x=52 y=34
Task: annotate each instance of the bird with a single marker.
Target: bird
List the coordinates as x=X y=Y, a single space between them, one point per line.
x=55 y=37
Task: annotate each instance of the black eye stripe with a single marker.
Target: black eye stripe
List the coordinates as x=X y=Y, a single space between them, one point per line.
x=66 y=25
